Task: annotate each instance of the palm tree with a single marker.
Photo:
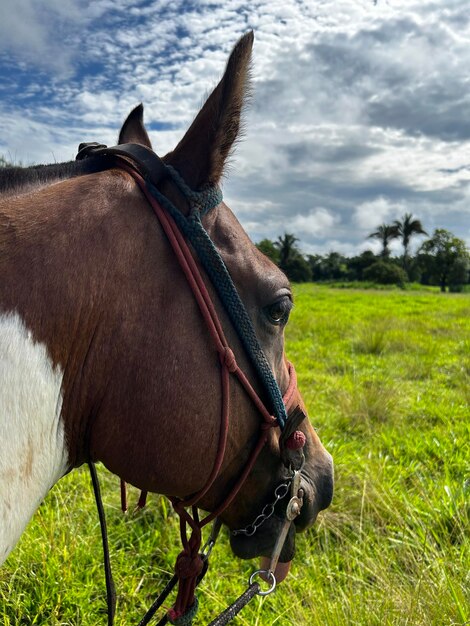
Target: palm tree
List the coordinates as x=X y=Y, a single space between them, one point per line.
x=385 y=233
x=287 y=248
x=406 y=228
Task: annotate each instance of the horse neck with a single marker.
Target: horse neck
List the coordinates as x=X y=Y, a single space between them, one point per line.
x=90 y=282
x=16 y=181
x=32 y=443
x=42 y=307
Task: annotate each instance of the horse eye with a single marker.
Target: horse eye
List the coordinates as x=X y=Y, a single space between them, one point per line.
x=278 y=312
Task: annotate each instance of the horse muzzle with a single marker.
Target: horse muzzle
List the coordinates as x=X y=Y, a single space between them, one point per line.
x=317 y=486
x=315 y=490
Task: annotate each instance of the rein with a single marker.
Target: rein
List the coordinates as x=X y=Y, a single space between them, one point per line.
x=190 y=564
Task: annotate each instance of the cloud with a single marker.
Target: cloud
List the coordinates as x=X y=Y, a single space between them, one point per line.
x=318 y=222
x=369 y=215
x=359 y=111
x=31 y=31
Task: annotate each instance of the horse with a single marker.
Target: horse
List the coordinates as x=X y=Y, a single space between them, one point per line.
x=104 y=354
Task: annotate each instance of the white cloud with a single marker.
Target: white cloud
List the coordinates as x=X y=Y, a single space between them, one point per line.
x=317 y=223
x=29 y=30
x=369 y=215
x=359 y=111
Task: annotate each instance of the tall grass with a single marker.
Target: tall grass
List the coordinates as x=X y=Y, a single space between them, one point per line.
x=386 y=377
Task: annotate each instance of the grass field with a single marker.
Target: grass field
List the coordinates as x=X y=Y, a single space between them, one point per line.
x=386 y=378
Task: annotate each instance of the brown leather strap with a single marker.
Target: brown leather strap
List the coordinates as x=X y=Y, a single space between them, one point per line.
x=142 y=159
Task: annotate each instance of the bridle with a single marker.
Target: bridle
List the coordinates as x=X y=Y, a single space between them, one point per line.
x=149 y=171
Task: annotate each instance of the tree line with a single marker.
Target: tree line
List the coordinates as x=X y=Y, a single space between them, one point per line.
x=442 y=259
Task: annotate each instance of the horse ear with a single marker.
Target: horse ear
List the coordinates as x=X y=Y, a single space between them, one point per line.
x=201 y=155
x=133 y=129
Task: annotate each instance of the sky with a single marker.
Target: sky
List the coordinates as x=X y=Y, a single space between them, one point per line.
x=360 y=109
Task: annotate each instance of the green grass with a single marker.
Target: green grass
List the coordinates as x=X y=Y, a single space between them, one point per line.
x=386 y=378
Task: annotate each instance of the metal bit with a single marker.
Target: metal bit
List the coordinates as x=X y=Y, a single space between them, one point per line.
x=293 y=509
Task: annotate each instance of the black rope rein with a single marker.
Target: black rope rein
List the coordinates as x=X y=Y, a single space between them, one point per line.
x=110 y=588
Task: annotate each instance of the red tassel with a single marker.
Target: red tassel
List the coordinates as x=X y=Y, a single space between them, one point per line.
x=296 y=441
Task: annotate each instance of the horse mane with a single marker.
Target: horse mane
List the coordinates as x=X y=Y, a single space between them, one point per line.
x=15 y=179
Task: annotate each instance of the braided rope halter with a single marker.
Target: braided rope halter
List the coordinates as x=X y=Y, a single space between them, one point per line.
x=179 y=229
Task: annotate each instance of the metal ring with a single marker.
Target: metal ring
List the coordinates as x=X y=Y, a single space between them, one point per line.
x=298 y=469
x=270 y=575
x=207 y=548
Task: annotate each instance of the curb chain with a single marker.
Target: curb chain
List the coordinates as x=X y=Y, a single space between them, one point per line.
x=280 y=492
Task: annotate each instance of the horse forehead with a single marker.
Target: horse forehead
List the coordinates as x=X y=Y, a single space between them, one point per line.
x=250 y=268
x=258 y=278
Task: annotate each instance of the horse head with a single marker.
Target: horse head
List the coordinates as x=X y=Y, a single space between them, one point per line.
x=104 y=352
x=200 y=158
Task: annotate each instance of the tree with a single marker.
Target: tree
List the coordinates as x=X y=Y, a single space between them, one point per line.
x=267 y=247
x=385 y=233
x=445 y=259
x=357 y=264
x=287 y=248
x=335 y=265
x=332 y=266
x=406 y=228
x=459 y=274
x=298 y=270
x=385 y=273
x=291 y=260
x=315 y=262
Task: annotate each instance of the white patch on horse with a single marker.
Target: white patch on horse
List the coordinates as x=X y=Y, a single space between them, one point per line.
x=33 y=453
